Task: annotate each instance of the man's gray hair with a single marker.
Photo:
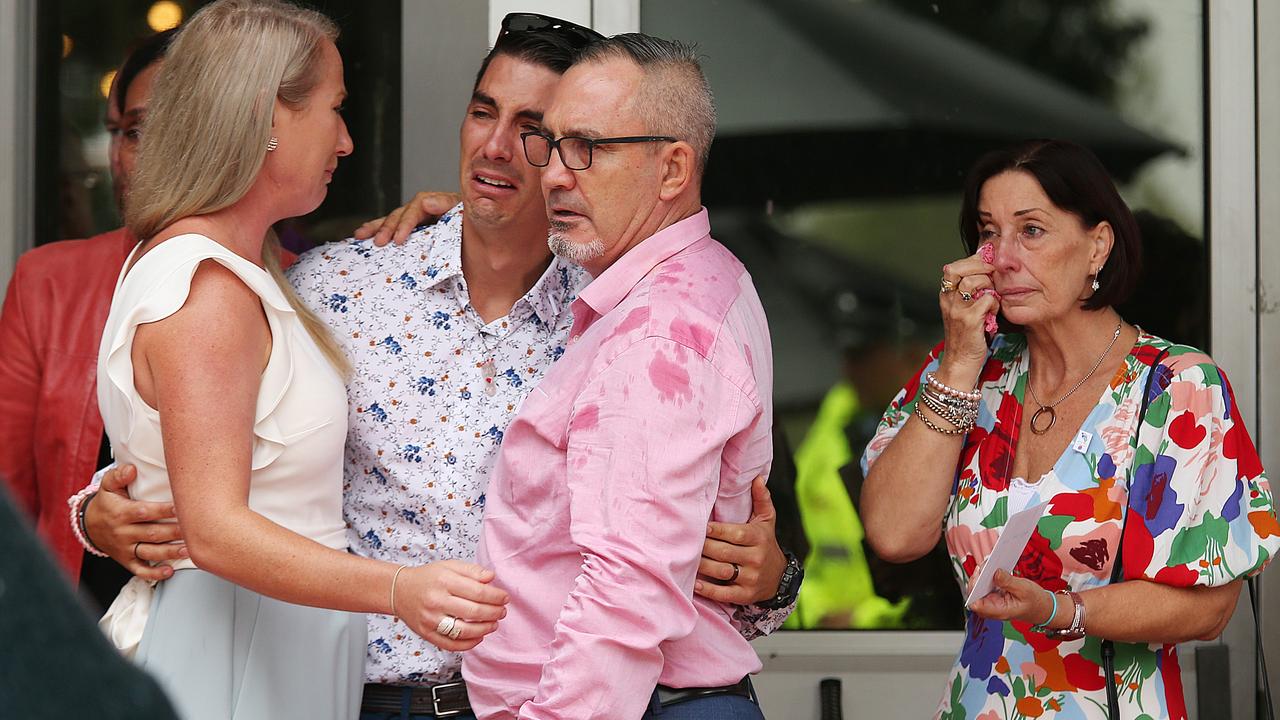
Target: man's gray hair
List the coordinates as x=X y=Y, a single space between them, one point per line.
x=676 y=98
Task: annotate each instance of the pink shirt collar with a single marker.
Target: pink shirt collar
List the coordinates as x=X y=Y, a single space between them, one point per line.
x=619 y=279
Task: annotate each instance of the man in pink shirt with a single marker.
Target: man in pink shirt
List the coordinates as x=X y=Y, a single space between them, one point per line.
x=653 y=423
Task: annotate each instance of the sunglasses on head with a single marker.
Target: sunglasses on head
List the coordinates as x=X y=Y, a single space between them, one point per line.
x=521 y=22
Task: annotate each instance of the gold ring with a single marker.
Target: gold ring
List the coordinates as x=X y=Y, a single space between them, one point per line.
x=947 y=286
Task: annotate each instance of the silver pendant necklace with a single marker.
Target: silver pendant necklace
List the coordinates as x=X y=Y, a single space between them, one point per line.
x=1048 y=409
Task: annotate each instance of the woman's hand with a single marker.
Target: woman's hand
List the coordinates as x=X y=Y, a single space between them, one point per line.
x=395 y=226
x=134 y=533
x=1016 y=598
x=461 y=590
x=964 y=320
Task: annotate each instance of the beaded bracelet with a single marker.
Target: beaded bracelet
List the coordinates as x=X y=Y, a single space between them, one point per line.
x=1041 y=627
x=959 y=414
x=78 y=503
x=932 y=380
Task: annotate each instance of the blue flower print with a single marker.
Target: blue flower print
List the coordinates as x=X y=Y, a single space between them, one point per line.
x=514 y=378
x=440 y=319
x=432 y=271
x=465 y=394
x=375 y=410
x=410 y=515
x=361 y=248
x=426 y=386
x=408 y=281
x=391 y=344
x=982 y=646
x=378 y=475
x=494 y=433
x=372 y=538
x=380 y=645
x=411 y=453
x=555 y=354
x=337 y=302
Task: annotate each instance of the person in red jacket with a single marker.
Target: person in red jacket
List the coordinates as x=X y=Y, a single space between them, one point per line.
x=51 y=435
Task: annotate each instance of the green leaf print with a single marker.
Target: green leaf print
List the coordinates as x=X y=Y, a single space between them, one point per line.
x=1051 y=528
x=1216 y=528
x=999 y=514
x=1158 y=411
x=1019 y=688
x=1188 y=545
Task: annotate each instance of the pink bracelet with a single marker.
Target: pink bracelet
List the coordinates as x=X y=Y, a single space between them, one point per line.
x=77 y=503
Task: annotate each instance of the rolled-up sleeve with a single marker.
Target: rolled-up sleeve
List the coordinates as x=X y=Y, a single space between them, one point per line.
x=645 y=460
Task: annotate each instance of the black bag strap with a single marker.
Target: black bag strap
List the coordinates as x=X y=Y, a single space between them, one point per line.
x=1117 y=569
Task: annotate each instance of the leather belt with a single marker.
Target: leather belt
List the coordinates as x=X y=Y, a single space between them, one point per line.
x=442 y=701
x=668 y=696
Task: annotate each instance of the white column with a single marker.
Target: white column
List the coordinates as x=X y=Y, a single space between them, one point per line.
x=1268 y=154
x=17 y=154
x=1233 y=257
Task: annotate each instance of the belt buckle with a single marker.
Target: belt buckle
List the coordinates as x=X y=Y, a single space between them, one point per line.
x=435 y=700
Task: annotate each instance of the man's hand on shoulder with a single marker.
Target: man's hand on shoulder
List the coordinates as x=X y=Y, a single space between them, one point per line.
x=395 y=226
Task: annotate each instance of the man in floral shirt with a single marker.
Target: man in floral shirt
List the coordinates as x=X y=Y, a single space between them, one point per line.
x=447 y=333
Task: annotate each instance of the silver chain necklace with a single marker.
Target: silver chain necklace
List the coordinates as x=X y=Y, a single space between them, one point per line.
x=1049 y=408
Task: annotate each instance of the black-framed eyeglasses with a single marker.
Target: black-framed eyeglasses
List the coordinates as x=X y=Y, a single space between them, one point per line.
x=575 y=152
x=577 y=35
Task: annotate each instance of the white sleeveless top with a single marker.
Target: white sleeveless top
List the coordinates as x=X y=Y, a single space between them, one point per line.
x=299 y=429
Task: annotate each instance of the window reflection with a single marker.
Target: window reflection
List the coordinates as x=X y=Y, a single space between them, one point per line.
x=92 y=38
x=845 y=132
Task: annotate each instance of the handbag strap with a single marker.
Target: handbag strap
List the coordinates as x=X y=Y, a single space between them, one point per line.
x=1117 y=568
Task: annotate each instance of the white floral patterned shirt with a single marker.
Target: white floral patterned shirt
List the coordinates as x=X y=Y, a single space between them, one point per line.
x=432 y=391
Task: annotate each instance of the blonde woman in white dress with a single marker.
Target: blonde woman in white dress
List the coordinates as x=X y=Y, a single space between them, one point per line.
x=228 y=395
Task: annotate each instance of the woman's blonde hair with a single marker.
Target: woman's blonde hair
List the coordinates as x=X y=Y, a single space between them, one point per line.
x=209 y=120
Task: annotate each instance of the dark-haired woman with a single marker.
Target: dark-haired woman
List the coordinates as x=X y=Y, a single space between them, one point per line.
x=1135 y=443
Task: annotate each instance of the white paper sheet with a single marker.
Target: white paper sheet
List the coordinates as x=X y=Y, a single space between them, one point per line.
x=1004 y=556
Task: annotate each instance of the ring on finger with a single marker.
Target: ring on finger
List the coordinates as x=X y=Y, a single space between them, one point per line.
x=736 y=569
x=966 y=296
x=447 y=625
x=946 y=286
x=135 y=552
x=455 y=632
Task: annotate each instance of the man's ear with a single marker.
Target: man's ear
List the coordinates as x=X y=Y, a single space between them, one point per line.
x=677 y=170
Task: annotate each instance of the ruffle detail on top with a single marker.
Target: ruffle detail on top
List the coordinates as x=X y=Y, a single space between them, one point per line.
x=153 y=299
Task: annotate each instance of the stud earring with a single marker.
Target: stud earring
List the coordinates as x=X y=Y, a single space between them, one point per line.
x=272 y=144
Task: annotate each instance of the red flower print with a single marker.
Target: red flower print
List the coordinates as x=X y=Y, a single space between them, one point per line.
x=1239 y=447
x=1082 y=673
x=1185 y=431
x=1177 y=576
x=1041 y=564
x=1091 y=553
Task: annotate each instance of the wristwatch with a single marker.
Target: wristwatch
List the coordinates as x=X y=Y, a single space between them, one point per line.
x=789 y=586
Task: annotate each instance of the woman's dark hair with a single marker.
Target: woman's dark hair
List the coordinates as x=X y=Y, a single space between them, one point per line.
x=144 y=54
x=1075 y=181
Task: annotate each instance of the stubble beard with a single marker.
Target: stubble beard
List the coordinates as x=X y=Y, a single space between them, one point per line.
x=576 y=253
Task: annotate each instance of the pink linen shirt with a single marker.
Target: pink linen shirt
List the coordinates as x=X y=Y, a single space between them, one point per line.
x=655 y=421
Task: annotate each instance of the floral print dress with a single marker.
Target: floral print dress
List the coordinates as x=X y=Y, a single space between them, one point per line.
x=1200 y=512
